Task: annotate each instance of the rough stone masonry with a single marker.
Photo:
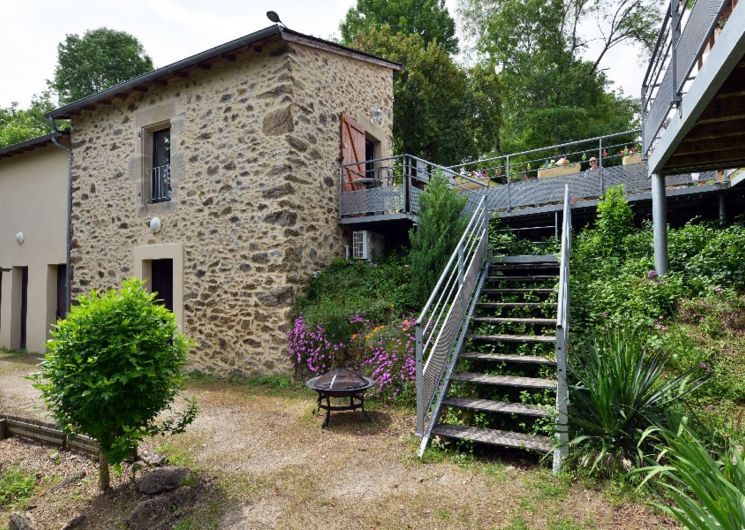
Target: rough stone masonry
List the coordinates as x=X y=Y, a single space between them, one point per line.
x=255 y=150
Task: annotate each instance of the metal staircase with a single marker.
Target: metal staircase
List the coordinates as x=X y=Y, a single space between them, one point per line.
x=501 y=354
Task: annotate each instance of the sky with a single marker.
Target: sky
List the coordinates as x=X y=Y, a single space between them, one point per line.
x=173 y=29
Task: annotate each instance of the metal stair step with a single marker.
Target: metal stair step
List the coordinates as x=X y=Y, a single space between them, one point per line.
x=496 y=305
x=517 y=290
x=514 y=338
x=526 y=258
x=500 y=357
x=505 y=380
x=494 y=437
x=515 y=320
x=497 y=407
x=521 y=277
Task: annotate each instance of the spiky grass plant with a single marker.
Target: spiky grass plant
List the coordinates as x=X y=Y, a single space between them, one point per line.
x=706 y=493
x=619 y=392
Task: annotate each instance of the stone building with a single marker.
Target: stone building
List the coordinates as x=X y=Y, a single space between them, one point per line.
x=216 y=180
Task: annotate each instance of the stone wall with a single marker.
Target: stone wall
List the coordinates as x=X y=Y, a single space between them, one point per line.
x=254 y=152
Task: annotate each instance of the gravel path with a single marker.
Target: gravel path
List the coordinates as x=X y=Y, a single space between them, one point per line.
x=270 y=465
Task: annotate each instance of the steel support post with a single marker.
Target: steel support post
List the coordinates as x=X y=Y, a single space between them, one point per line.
x=659 y=222
x=419 y=381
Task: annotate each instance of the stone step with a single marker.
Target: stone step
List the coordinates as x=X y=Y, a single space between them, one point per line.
x=496 y=407
x=500 y=357
x=514 y=338
x=494 y=437
x=535 y=383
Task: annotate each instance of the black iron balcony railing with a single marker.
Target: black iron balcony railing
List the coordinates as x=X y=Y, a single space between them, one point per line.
x=688 y=30
x=160 y=184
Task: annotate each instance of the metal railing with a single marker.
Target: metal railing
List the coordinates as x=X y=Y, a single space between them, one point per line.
x=687 y=29
x=160 y=184
x=547 y=162
x=392 y=185
x=562 y=336
x=441 y=327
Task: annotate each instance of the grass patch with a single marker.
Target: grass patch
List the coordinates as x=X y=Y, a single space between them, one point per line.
x=177 y=456
x=16 y=486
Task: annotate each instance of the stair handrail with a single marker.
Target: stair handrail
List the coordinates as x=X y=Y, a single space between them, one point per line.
x=562 y=337
x=441 y=326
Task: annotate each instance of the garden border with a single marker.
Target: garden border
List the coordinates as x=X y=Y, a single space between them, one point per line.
x=45 y=433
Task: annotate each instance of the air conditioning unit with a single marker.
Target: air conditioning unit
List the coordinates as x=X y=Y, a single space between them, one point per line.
x=366 y=245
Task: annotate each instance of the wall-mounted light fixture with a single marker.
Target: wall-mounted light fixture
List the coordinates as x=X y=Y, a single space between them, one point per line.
x=19 y=238
x=155 y=225
x=377 y=116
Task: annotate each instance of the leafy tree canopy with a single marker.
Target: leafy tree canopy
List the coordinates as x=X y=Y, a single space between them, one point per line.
x=552 y=94
x=441 y=111
x=18 y=125
x=99 y=59
x=427 y=18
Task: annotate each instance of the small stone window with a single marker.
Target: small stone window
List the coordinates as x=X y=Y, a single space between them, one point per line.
x=159 y=170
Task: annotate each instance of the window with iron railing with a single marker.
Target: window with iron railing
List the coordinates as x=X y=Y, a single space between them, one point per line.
x=160 y=173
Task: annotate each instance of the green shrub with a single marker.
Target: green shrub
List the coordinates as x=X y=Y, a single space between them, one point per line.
x=113 y=365
x=16 y=485
x=433 y=240
x=507 y=243
x=619 y=392
x=706 y=493
x=380 y=291
x=615 y=220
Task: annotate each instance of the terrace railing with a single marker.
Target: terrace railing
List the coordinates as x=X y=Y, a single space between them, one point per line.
x=391 y=186
x=160 y=184
x=687 y=29
x=442 y=325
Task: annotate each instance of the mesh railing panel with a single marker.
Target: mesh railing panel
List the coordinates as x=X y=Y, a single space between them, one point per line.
x=385 y=199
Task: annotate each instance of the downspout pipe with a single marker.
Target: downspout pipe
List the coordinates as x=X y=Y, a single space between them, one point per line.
x=68 y=265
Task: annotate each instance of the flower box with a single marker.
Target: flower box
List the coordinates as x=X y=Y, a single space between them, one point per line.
x=560 y=171
x=634 y=158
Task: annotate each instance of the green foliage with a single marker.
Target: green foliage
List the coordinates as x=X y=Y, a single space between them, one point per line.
x=707 y=493
x=441 y=112
x=615 y=220
x=96 y=61
x=16 y=485
x=427 y=18
x=620 y=392
x=379 y=291
x=506 y=242
x=114 y=364
x=552 y=93
x=433 y=240
x=18 y=125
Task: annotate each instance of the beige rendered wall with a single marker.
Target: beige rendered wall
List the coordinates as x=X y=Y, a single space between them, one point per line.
x=255 y=152
x=33 y=200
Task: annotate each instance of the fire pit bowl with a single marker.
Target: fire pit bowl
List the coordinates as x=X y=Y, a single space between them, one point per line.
x=340 y=383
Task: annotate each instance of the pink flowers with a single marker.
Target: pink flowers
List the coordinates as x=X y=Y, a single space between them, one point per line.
x=387 y=353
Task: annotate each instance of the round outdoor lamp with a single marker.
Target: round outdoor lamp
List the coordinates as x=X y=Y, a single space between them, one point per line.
x=155 y=225
x=19 y=238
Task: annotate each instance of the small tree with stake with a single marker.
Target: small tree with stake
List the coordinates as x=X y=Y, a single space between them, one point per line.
x=113 y=365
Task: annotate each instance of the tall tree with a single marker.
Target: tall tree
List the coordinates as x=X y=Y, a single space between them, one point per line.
x=99 y=59
x=429 y=19
x=441 y=112
x=552 y=94
x=18 y=125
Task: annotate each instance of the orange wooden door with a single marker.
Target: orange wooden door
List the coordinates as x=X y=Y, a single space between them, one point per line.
x=352 y=152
